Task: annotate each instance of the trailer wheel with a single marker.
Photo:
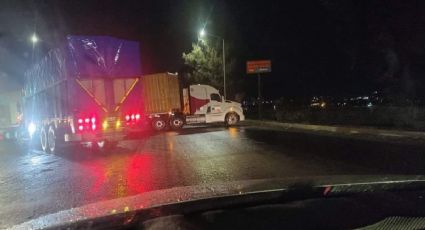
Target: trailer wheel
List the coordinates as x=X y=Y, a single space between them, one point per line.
x=231 y=119
x=158 y=124
x=43 y=139
x=51 y=139
x=176 y=123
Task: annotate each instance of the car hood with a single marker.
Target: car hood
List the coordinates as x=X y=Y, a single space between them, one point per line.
x=128 y=208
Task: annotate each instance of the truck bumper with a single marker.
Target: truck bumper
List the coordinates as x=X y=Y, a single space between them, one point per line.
x=88 y=137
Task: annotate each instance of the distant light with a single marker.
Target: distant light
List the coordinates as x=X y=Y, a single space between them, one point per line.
x=202 y=33
x=369 y=104
x=34 y=38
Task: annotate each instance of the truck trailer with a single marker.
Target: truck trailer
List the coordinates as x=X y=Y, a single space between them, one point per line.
x=77 y=93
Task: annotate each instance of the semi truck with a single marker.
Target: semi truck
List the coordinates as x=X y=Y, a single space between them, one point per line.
x=165 y=103
x=77 y=92
x=91 y=90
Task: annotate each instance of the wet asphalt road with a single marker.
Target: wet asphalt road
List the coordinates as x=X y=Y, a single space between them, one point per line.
x=33 y=183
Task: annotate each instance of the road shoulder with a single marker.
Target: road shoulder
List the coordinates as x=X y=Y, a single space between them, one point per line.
x=342 y=131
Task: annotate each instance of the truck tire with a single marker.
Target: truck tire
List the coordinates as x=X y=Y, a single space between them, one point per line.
x=43 y=139
x=177 y=123
x=52 y=139
x=159 y=124
x=231 y=119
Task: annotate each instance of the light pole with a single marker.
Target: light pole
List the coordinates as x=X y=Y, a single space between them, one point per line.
x=34 y=40
x=203 y=33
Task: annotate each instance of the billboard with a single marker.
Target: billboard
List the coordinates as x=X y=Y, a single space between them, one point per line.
x=258 y=66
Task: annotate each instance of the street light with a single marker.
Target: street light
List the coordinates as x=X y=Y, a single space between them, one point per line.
x=34 y=38
x=202 y=33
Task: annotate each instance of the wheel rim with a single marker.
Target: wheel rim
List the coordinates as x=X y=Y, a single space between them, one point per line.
x=177 y=122
x=51 y=139
x=232 y=119
x=159 y=124
x=43 y=139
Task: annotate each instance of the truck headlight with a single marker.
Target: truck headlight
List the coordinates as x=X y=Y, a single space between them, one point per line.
x=31 y=129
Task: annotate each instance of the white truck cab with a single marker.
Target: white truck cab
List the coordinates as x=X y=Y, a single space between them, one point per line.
x=206 y=101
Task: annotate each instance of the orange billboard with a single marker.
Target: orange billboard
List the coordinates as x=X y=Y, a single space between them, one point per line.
x=258 y=66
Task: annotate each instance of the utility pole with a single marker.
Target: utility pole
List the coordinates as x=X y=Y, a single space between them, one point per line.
x=260 y=104
x=224 y=72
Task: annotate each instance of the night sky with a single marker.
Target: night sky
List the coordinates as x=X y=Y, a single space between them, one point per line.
x=317 y=47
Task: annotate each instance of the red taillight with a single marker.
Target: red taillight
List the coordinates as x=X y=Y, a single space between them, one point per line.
x=87 y=123
x=131 y=118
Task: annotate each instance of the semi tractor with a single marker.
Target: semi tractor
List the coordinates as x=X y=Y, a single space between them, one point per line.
x=165 y=103
x=78 y=91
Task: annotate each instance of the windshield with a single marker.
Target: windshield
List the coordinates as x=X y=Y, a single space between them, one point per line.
x=103 y=100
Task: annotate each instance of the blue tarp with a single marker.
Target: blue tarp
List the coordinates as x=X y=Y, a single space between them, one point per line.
x=85 y=57
x=102 y=56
